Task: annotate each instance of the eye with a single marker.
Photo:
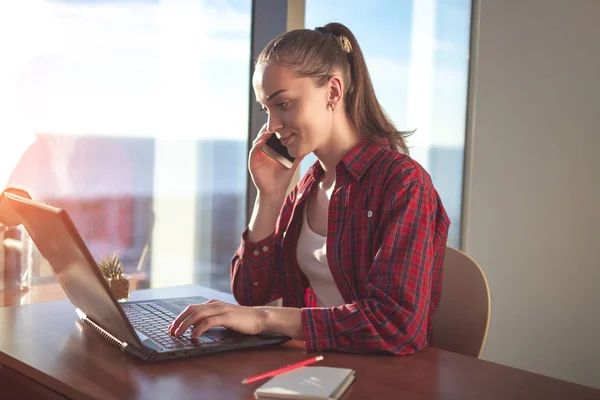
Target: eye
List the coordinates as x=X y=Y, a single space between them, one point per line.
x=283 y=105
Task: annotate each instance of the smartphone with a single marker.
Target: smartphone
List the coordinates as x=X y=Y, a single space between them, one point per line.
x=274 y=149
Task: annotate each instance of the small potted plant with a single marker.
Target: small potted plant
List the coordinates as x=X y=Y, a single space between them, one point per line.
x=112 y=269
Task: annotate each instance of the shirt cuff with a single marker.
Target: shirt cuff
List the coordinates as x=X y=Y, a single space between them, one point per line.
x=255 y=252
x=317 y=324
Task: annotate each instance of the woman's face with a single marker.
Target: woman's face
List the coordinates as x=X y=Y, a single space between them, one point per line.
x=297 y=110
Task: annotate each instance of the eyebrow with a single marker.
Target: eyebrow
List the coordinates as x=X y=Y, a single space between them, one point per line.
x=271 y=97
x=275 y=94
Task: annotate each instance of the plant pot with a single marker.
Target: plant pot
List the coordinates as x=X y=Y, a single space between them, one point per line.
x=120 y=287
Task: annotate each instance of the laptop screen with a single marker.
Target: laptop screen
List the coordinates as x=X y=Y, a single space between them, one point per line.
x=57 y=239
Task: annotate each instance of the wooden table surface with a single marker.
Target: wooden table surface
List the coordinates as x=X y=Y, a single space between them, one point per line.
x=44 y=343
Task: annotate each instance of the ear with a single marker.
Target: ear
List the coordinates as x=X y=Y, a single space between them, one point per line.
x=335 y=91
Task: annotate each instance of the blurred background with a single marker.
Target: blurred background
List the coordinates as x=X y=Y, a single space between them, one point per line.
x=134 y=116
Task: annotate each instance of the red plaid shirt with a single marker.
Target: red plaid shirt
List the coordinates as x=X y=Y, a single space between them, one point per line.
x=386 y=238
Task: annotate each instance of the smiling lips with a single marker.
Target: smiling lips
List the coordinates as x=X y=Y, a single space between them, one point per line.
x=285 y=141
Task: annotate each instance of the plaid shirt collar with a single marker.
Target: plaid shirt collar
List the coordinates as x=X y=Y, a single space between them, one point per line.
x=356 y=162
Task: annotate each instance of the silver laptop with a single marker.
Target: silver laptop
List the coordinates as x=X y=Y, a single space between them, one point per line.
x=138 y=328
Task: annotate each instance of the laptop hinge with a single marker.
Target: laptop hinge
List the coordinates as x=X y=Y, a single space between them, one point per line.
x=147 y=355
x=110 y=338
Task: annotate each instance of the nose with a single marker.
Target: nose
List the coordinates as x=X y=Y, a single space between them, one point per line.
x=274 y=123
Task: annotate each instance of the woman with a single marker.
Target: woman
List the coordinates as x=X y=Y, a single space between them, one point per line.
x=355 y=250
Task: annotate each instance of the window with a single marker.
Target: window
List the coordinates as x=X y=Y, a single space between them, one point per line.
x=133 y=116
x=417 y=53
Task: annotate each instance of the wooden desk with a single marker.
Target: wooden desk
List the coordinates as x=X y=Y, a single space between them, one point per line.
x=44 y=351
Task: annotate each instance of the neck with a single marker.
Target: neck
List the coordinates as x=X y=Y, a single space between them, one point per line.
x=342 y=140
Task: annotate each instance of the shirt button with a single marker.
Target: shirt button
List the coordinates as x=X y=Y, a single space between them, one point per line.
x=370 y=214
x=255 y=283
x=265 y=248
x=256 y=252
x=300 y=194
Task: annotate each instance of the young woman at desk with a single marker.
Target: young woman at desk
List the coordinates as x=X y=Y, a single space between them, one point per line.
x=355 y=250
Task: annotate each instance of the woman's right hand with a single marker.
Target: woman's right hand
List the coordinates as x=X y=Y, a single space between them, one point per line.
x=270 y=177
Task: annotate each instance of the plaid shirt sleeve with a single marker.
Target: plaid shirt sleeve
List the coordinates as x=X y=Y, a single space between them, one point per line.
x=393 y=316
x=256 y=268
x=254 y=274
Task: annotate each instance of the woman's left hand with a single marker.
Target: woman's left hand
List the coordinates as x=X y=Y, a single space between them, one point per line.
x=201 y=317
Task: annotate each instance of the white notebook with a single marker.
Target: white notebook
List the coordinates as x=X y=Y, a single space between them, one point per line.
x=310 y=383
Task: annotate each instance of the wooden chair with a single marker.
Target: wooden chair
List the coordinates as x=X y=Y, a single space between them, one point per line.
x=461 y=322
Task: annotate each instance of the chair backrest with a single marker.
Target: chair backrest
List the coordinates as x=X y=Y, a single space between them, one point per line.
x=461 y=322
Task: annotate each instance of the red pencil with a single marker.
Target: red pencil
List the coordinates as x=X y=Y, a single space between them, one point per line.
x=282 y=370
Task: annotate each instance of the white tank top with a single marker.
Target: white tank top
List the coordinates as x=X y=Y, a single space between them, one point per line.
x=311 y=254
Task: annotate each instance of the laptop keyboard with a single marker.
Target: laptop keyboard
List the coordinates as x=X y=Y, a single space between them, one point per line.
x=153 y=321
